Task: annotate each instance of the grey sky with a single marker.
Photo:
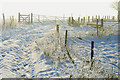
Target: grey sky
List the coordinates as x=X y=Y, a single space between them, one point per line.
x=58 y=7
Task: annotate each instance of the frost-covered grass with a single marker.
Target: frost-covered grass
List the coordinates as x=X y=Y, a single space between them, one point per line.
x=38 y=51
x=54 y=47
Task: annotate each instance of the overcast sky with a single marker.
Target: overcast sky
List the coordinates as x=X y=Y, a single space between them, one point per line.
x=58 y=7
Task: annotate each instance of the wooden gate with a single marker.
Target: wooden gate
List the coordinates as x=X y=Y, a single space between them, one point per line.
x=25 y=18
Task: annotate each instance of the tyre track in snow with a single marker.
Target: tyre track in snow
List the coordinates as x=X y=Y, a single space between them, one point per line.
x=19 y=56
x=15 y=57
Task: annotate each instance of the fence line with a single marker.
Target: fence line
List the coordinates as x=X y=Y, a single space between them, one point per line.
x=31 y=18
x=8 y=21
x=71 y=21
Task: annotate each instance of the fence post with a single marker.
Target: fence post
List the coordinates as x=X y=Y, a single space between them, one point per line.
x=92 y=18
x=10 y=20
x=65 y=38
x=57 y=28
x=92 y=51
x=113 y=18
x=13 y=18
x=101 y=22
x=3 y=19
x=72 y=20
x=18 y=17
x=108 y=17
x=69 y=21
x=97 y=28
x=31 y=17
x=83 y=20
x=96 y=17
x=78 y=20
x=102 y=25
x=99 y=17
x=66 y=47
x=105 y=18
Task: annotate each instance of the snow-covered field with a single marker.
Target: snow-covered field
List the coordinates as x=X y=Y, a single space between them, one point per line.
x=38 y=51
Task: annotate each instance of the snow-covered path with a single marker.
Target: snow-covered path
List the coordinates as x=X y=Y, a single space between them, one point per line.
x=15 y=50
x=20 y=58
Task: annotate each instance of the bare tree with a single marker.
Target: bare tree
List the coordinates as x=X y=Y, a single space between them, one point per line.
x=119 y=11
x=115 y=5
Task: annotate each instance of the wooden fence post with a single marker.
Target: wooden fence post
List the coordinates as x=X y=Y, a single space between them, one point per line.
x=96 y=17
x=69 y=21
x=113 y=18
x=99 y=17
x=10 y=20
x=72 y=20
x=66 y=38
x=79 y=20
x=31 y=17
x=92 y=18
x=102 y=25
x=105 y=18
x=13 y=18
x=92 y=54
x=97 y=28
x=83 y=20
x=18 y=17
x=3 y=19
x=57 y=28
x=66 y=47
x=101 y=22
x=92 y=51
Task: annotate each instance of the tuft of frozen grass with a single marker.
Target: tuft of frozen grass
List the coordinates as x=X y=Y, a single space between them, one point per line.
x=110 y=30
x=52 y=45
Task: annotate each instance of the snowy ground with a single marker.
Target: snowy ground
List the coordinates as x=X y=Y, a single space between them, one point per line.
x=21 y=57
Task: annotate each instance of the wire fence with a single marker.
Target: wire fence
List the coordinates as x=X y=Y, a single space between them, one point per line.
x=63 y=22
x=79 y=53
